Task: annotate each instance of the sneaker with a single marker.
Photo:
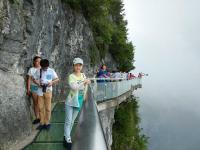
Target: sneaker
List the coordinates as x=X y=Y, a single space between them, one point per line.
x=40 y=127
x=67 y=144
x=69 y=140
x=36 y=121
x=47 y=126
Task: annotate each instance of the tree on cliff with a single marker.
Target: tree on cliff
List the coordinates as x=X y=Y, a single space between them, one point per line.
x=106 y=19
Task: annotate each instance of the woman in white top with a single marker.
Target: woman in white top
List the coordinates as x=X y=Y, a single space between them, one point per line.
x=32 y=88
x=77 y=82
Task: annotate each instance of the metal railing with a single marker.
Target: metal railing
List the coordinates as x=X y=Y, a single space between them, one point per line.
x=89 y=133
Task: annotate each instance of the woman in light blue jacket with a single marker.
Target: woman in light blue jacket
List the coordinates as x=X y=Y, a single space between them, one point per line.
x=77 y=82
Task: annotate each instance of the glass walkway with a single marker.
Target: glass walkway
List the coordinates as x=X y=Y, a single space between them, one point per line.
x=87 y=132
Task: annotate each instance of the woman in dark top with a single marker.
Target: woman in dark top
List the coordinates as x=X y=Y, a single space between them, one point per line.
x=103 y=72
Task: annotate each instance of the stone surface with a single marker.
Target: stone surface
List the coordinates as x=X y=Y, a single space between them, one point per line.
x=107 y=120
x=29 y=27
x=14 y=117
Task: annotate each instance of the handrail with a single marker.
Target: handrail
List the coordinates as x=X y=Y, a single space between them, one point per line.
x=89 y=134
x=110 y=79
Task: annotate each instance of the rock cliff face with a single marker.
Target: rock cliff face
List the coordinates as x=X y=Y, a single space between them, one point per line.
x=107 y=120
x=29 y=27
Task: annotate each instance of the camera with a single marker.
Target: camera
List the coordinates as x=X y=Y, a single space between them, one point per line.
x=44 y=88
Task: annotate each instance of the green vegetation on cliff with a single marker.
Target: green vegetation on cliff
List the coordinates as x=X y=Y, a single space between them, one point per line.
x=106 y=19
x=126 y=131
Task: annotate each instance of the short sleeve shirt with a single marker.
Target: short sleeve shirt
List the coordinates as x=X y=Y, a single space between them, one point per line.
x=31 y=73
x=46 y=77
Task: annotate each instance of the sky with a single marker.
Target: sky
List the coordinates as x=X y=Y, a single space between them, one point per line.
x=160 y=28
x=167 y=38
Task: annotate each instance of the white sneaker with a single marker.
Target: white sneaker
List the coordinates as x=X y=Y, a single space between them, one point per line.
x=69 y=140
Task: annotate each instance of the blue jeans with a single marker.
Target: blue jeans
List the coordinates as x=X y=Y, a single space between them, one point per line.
x=70 y=115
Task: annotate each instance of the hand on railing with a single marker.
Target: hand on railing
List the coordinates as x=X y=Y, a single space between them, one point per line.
x=86 y=82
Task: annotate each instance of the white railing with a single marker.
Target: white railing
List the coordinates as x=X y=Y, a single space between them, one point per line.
x=104 y=89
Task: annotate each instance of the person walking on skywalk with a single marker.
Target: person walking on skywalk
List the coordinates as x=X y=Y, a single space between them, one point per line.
x=45 y=78
x=77 y=83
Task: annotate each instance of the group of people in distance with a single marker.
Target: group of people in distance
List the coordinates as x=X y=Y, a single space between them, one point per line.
x=40 y=80
x=103 y=73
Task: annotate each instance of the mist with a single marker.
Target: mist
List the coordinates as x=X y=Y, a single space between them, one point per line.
x=167 y=39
